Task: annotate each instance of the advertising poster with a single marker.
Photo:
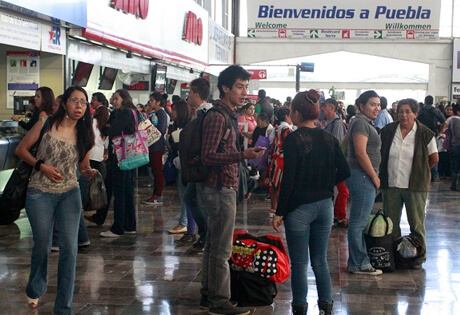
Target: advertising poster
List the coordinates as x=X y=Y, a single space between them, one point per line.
x=347 y=20
x=23 y=75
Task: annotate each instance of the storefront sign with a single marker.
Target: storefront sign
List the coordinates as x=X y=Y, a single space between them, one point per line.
x=18 y=31
x=23 y=74
x=455 y=91
x=159 y=35
x=456 y=61
x=221 y=44
x=139 y=86
x=193 y=30
x=139 y=8
x=54 y=39
x=372 y=19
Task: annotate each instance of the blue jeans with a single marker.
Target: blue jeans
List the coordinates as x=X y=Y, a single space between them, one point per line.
x=362 y=193
x=215 y=280
x=124 y=213
x=193 y=197
x=307 y=232
x=186 y=217
x=43 y=210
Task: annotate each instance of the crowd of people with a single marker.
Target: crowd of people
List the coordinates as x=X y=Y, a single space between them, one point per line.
x=304 y=150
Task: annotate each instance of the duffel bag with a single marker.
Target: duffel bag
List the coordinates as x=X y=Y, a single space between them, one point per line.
x=264 y=256
x=249 y=289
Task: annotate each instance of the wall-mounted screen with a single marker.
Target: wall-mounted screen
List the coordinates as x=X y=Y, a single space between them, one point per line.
x=81 y=74
x=108 y=78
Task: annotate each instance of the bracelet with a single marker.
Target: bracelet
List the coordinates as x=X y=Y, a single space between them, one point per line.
x=280 y=217
x=37 y=164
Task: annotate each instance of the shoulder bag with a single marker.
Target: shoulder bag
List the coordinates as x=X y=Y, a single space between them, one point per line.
x=131 y=150
x=13 y=198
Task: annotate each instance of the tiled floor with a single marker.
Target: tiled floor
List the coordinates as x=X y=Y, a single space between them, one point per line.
x=147 y=274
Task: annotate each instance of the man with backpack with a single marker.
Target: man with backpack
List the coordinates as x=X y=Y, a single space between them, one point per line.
x=431 y=117
x=220 y=188
x=193 y=197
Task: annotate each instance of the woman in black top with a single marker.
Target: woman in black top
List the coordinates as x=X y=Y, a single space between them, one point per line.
x=313 y=165
x=124 y=217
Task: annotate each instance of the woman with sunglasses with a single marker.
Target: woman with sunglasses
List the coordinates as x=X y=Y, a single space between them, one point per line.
x=313 y=164
x=53 y=194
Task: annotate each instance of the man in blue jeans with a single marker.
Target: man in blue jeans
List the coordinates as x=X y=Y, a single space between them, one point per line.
x=220 y=188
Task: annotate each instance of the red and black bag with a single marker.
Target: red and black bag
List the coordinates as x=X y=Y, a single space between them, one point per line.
x=265 y=256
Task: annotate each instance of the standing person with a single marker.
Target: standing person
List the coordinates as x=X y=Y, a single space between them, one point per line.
x=193 y=196
x=124 y=217
x=364 y=159
x=335 y=125
x=454 y=126
x=314 y=164
x=263 y=105
x=32 y=113
x=392 y=111
x=408 y=153
x=157 y=150
x=53 y=194
x=276 y=157
x=44 y=103
x=220 y=189
x=181 y=115
x=99 y=153
x=384 y=117
x=248 y=117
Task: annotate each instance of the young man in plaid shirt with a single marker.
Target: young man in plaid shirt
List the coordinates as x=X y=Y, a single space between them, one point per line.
x=220 y=189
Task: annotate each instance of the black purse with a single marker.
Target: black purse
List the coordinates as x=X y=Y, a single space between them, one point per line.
x=13 y=199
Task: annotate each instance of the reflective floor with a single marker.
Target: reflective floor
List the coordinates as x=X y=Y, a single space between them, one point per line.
x=148 y=274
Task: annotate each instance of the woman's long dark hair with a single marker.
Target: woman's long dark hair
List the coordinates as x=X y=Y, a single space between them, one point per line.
x=183 y=113
x=127 y=102
x=85 y=135
x=101 y=114
x=47 y=100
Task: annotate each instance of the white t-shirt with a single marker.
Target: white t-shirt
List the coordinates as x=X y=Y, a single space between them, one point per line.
x=401 y=156
x=97 y=152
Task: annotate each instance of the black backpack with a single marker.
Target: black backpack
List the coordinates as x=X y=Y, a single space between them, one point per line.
x=190 y=142
x=427 y=117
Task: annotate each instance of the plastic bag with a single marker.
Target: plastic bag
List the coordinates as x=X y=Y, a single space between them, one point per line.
x=379 y=225
x=406 y=249
x=95 y=194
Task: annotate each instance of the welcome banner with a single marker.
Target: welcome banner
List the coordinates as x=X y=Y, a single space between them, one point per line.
x=352 y=19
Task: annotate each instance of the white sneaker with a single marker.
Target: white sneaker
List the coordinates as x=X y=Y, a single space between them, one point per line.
x=370 y=272
x=130 y=232
x=109 y=234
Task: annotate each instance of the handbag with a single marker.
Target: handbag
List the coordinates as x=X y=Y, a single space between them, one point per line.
x=379 y=242
x=95 y=193
x=13 y=198
x=153 y=134
x=131 y=150
x=264 y=256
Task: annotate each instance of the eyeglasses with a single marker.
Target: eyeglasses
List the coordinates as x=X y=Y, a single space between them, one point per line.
x=76 y=101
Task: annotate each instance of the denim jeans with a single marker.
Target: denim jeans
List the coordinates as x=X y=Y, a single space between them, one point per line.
x=362 y=192
x=186 y=217
x=124 y=213
x=193 y=197
x=43 y=210
x=215 y=280
x=307 y=233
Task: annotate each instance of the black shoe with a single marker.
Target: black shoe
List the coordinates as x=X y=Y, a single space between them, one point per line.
x=199 y=245
x=186 y=239
x=228 y=309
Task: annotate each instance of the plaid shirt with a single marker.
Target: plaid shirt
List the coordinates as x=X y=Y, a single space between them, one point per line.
x=223 y=165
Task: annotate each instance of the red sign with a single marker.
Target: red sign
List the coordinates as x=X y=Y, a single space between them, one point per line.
x=252 y=97
x=139 y=86
x=139 y=8
x=193 y=30
x=258 y=74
